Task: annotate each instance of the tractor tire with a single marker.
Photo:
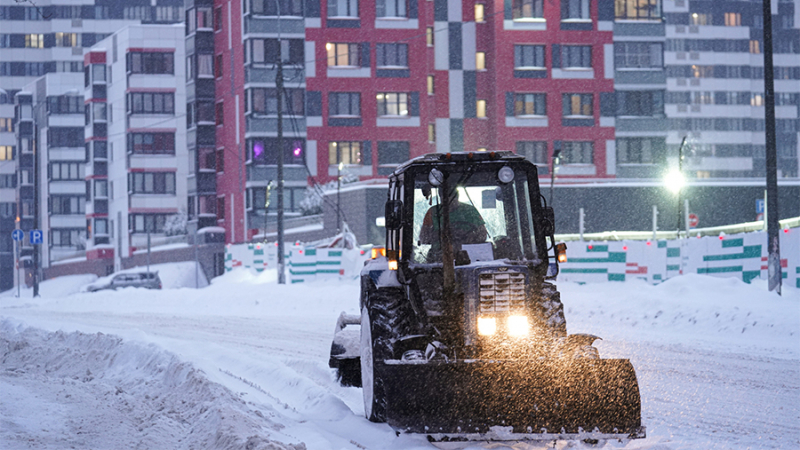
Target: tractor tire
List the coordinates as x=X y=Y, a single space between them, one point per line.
x=384 y=319
x=552 y=311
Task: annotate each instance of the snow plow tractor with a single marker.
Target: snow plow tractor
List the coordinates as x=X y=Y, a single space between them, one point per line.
x=462 y=335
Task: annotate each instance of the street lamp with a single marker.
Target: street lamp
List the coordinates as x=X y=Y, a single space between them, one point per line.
x=675 y=181
x=553 y=164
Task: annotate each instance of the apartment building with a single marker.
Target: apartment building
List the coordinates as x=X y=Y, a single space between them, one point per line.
x=47 y=37
x=715 y=86
x=370 y=85
x=137 y=164
x=58 y=115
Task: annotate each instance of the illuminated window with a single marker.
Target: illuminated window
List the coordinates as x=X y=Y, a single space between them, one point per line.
x=34 y=40
x=430 y=85
x=733 y=19
x=480 y=109
x=342 y=55
x=479 y=12
x=429 y=36
x=480 y=60
x=431 y=132
x=755 y=47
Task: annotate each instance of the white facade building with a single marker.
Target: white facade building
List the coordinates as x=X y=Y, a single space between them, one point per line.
x=136 y=138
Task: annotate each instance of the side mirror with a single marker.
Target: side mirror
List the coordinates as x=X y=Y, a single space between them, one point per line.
x=393 y=214
x=548 y=221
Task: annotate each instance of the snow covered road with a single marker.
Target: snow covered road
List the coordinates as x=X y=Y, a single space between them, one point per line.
x=718 y=363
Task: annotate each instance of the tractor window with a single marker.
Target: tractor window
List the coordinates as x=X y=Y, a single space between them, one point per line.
x=488 y=220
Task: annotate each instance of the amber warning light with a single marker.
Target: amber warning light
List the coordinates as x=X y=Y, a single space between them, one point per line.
x=561 y=252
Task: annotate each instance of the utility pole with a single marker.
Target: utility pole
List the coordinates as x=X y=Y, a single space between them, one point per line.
x=680 y=189
x=279 y=94
x=35 y=200
x=773 y=227
x=339 y=195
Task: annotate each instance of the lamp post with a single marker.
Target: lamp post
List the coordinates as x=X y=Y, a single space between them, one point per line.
x=339 y=196
x=675 y=182
x=553 y=164
x=266 y=209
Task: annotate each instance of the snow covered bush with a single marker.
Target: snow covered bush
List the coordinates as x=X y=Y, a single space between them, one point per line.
x=175 y=225
x=314 y=198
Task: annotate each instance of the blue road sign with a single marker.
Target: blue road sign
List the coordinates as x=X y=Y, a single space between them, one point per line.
x=17 y=235
x=36 y=237
x=759 y=206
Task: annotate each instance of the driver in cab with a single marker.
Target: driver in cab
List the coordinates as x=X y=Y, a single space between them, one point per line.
x=466 y=225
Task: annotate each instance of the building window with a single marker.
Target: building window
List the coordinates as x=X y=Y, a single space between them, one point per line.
x=429 y=36
x=67 y=171
x=638 y=55
x=151 y=62
x=533 y=151
x=528 y=57
x=143 y=223
x=431 y=85
x=34 y=41
x=151 y=183
x=576 y=57
x=641 y=103
x=575 y=10
x=390 y=155
x=8 y=181
x=151 y=103
x=480 y=60
x=431 y=133
x=637 y=150
x=343 y=55
x=64 y=104
x=265 y=101
x=480 y=9
x=637 y=9
x=72 y=204
x=220 y=208
x=530 y=105
x=219 y=113
x=700 y=19
x=391 y=8
x=392 y=104
x=343 y=8
x=480 y=109
x=151 y=143
x=205 y=65
x=218 y=66
x=271 y=8
x=218 y=19
x=755 y=46
x=7 y=124
x=74 y=238
x=6 y=152
x=577 y=152
x=528 y=9
x=66 y=40
x=65 y=137
x=345 y=152
x=265 y=151
x=733 y=19
x=266 y=51
x=577 y=105
x=344 y=104
x=392 y=55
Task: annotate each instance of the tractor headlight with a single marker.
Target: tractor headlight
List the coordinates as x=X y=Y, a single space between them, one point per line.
x=487 y=326
x=518 y=326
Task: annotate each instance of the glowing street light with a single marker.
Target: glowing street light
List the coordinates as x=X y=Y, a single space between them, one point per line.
x=674 y=181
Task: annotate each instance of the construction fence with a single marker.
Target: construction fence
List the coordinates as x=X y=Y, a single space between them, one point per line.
x=740 y=255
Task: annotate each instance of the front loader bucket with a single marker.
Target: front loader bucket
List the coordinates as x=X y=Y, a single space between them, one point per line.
x=544 y=397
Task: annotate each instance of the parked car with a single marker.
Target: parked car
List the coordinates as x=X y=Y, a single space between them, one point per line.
x=149 y=280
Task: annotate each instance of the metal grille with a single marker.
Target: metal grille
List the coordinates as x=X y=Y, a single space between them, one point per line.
x=502 y=292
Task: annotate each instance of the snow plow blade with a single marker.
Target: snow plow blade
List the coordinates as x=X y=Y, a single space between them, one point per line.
x=530 y=400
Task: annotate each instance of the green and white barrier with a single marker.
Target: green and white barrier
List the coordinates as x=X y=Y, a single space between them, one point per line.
x=742 y=255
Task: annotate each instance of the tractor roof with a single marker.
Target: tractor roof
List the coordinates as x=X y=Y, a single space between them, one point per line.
x=459 y=157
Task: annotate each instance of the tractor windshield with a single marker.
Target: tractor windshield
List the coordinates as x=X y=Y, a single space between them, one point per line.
x=489 y=220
